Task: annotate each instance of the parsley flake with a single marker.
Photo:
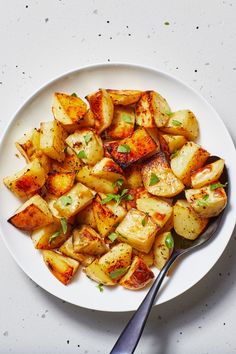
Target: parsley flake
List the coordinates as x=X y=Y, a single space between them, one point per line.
x=203 y=201
x=64 y=225
x=169 y=241
x=118 y=272
x=74 y=94
x=66 y=200
x=54 y=236
x=176 y=123
x=100 y=287
x=166 y=23
x=82 y=155
x=113 y=236
x=87 y=138
x=217 y=185
x=127 y=119
x=117 y=197
x=169 y=114
x=123 y=148
x=119 y=182
x=173 y=155
x=154 y=179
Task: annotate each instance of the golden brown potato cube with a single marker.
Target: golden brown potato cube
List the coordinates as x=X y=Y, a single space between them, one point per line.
x=68 y=250
x=132 y=149
x=95 y=272
x=62 y=267
x=122 y=124
x=162 y=249
x=168 y=225
x=28 y=144
x=189 y=158
x=138 y=275
x=124 y=97
x=88 y=120
x=152 y=110
x=59 y=183
x=50 y=236
x=138 y=230
x=102 y=108
x=158 y=179
x=86 y=240
x=133 y=176
x=147 y=258
x=207 y=174
x=107 y=215
x=98 y=184
x=71 y=163
x=52 y=140
x=34 y=213
x=187 y=222
x=159 y=210
x=154 y=134
x=207 y=201
x=171 y=143
x=182 y=122
x=108 y=169
x=28 y=180
x=115 y=263
x=87 y=145
x=86 y=216
x=68 y=109
x=75 y=200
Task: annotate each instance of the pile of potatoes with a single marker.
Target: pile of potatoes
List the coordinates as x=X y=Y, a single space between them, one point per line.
x=101 y=184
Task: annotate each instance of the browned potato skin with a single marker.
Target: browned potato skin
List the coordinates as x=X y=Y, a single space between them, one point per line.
x=140 y=143
x=161 y=252
x=62 y=267
x=32 y=217
x=59 y=183
x=133 y=176
x=86 y=216
x=138 y=276
x=71 y=164
x=119 y=129
x=207 y=174
x=147 y=258
x=68 y=250
x=166 y=146
x=144 y=112
x=124 y=97
x=86 y=240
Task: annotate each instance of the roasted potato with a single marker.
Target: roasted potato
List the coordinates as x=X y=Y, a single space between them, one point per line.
x=187 y=222
x=98 y=184
x=132 y=149
x=75 y=200
x=159 y=210
x=50 y=236
x=138 y=275
x=33 y=214
x=62 y=267
x=184 y=123
x=71 y=163
x=122 y=124
x=95 y=272
x=115 y=263
x=158 y=179
x=102 y=108
x=59 y=183
x=27 y=181
x=162 y=249
x=52 y=140
x=87 y=145
x=147 y=258
x=189 y=158
x=133 y=176
x=68 y=250
x=68 y=109
x=28 y=144
x=86 y=240
x=138 y=230
x=108 y=169
x=207 y=174
x=207 y=201
x=107 y=215
x=170 y=144
x=124 y=97
x=88 y=120
x=86 y=216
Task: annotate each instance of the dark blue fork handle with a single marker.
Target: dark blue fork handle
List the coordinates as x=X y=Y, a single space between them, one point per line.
x=130 y=336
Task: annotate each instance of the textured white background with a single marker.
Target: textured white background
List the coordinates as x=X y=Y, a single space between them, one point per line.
x=41 y=39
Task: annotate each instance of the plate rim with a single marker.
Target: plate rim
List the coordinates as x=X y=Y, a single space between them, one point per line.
x=127 y=65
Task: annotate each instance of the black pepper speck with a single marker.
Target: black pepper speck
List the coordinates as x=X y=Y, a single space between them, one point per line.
x=195 y=70
x=67 y=341
x=5 y=333
x=46 y=20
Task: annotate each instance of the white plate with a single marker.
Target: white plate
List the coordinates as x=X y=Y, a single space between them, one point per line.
x=214 y=137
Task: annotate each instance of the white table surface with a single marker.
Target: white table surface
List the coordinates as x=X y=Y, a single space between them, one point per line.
x=42 y=39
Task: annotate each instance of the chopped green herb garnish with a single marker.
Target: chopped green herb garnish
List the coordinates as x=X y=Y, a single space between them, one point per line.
x=154 y=179
x=113 y=236
x=100 y=287
x=166 y=23
x=64 y=225
x=65 y=150
x=176 y=123
x=169 y=114
x=217 y=185
x=109 y=198
x=123 y=148
x=144 y=221
x=87 y=138
x=74 y=94
x=127 y=119
x=203 y=201
x=66 y=200
x=119 y=182
x=118 y=272
x=172 y=156
x=54 y=236
x=205 y=197
x=169 y=241
x=117 y=197
x=82 y=155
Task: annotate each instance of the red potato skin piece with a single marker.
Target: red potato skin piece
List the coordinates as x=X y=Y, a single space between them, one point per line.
x=141 y=276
